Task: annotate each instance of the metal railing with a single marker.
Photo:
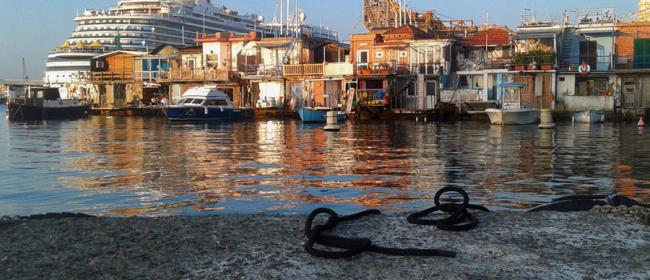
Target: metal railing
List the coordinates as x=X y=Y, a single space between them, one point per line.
x=631 y=62
x=480 y=64
x=397 y=69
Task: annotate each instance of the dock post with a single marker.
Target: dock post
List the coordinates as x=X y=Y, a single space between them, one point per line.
x=332 y=121
x=546 y=119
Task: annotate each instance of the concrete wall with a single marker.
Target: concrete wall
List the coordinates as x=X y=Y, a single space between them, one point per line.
x=566 y=86
x=460 y=95
x=584 y=103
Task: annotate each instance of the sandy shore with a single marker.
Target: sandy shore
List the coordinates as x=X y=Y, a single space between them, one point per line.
x=504 y=246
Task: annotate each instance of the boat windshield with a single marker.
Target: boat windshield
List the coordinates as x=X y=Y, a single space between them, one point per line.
x=197 y=101
x=216 y=102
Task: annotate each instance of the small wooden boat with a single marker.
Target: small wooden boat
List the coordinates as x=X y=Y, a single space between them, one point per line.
x=308 y=114
x=589 y=117
x=206 y=104
x=512 y=112
x=43 y=103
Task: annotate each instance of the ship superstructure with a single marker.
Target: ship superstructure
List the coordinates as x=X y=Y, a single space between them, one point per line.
x=142 y=25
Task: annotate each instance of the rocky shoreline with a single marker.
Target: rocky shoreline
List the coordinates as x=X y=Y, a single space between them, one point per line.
x=544 y=245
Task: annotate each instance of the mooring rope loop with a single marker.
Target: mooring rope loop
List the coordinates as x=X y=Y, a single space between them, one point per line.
x=459 y=220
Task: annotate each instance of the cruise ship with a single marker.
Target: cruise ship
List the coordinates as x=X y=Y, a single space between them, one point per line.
x=143 y=25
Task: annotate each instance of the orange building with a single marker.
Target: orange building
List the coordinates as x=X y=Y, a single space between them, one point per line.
x=398 y=70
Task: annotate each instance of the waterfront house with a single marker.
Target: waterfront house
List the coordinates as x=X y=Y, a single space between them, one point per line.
x=317 y=77
x=399 y=69
x=484 y=61
x=113 y=75
x=218 y=62
x=152 y=70
x=586 y=61
x=633 y=67
x=264 y=73
x=535 y=61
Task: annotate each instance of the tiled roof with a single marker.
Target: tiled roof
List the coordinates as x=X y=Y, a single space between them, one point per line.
x=496 y=36
x=412 y=31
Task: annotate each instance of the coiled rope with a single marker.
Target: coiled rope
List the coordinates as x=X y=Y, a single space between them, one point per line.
x=460 y=219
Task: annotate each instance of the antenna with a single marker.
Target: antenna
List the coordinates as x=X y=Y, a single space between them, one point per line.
x=25 y=70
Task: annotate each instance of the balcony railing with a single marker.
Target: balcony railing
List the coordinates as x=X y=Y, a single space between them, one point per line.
x=479 y=64
x=112 y=77
x=304 y=70
x=199 y=75
x=632 y=62
x=151 y=76
x=397 y=69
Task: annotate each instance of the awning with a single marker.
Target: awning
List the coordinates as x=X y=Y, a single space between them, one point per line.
x=273 y=44
x=534 y=35
x=513 y=85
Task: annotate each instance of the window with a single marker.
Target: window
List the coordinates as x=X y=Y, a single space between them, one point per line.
x=216 y=102
x=379 y=54
x=431 y=88
x=188 y=101
x=403 y=54
x=191 y=63
x=197 y=101
x=362 y=58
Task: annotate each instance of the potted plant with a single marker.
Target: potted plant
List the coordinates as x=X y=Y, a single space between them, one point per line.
x=548 y=59
x=519 y=61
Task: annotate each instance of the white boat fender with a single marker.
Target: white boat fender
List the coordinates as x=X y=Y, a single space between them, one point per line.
x=205 y=110
x=221 y=107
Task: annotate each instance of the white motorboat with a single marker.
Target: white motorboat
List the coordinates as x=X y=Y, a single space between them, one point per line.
x=513 y=116
x=589 y=117
x=512 y=112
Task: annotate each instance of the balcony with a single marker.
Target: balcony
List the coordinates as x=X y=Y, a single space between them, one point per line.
x=195 y=75
x=385 y=69
x=303 y=70
x=633 y=62
x=480 y=64
x=111 y=77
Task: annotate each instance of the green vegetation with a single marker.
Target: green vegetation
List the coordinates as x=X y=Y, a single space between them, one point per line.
x=535 y=57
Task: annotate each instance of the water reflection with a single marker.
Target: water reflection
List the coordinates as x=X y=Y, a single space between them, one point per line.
x=141 y=166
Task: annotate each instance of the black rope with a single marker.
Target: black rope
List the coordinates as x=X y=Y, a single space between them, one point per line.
x=459 y=220
x=352 y=246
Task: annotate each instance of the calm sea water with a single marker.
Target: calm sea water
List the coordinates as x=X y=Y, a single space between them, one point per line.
x=145 y=166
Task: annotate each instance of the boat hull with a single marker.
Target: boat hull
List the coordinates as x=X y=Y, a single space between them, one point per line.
x=25 y=112
x=513 y=117
x=211 y=114
x=311 y=115
x=589 y=117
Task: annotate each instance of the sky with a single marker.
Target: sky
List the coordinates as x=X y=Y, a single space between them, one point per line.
x=30 y=28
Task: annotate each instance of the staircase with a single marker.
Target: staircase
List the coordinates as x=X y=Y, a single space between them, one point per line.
x=289 y=51
x=567 y=54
